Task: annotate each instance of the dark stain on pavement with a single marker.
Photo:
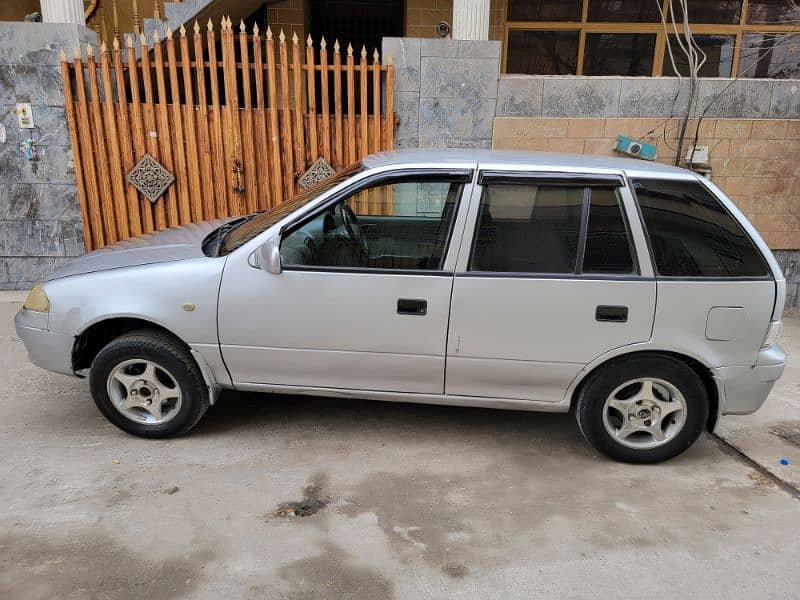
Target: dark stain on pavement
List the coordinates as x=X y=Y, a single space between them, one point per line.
x=334 y=574
x=90 y=566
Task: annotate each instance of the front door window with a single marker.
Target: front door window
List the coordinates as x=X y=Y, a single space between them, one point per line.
x=403 y=225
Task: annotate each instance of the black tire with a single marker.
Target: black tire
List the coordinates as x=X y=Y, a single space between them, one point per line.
x=593 y=394
x=167 y=351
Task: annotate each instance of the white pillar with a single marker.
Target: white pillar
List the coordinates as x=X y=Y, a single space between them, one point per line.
x=471 y=19
x=63 y=11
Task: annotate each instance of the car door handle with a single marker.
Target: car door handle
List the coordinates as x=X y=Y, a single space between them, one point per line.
x=614 y=314
x=410 y=306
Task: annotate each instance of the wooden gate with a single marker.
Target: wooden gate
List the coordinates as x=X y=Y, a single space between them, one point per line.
x=236 y=123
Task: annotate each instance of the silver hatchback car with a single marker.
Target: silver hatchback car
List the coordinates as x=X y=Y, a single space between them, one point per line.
x=634 y=294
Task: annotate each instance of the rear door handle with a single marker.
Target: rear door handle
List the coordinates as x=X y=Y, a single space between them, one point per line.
x=613 y=314
x=411 y=306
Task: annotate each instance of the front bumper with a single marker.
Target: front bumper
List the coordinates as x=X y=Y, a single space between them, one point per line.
x=746 y=388
x=49 y=350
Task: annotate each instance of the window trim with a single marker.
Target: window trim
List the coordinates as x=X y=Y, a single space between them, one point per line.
x=530 y=178
x=770 y=276
x=585 y=26
x=563 y=179
x=460 y=176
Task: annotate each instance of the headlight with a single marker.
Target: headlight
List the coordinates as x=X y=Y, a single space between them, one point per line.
x=37 y=300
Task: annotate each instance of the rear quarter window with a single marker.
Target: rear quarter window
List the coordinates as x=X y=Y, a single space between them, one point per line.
x=692 y=234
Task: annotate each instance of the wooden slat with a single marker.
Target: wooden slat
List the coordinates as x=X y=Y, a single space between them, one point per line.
x=287 y=165
x=376 y=103
x=151 y=134
x=274 y=139
x=181 y=175
x=125 y=143
x=338 y=154
x=311 y=99
x=260 y=126
x=192 y=157
x=325 y=129
x=351 y=108
x=77 y=153
x=100 y=153
x=232 y=133
x=221 y=174
x=112 y=134
x=388 y=142
x=204 y=133
x=95 y=223
x=299 y=134
x=248 y=134
x=364 y=150
x=137 y=132
x=163 y=128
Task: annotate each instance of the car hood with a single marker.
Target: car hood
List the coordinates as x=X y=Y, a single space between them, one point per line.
x=179 y=243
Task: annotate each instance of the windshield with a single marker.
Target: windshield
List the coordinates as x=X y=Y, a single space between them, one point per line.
x=263 y=221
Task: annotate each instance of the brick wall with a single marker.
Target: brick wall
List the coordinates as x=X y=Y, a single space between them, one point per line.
x=755 y=161
x=288 y=15
x=422 y=17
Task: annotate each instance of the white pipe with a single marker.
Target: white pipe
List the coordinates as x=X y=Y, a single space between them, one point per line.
x=62 y=11
x=471 y=19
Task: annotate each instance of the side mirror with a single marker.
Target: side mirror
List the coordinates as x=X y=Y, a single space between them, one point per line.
x=270 y=256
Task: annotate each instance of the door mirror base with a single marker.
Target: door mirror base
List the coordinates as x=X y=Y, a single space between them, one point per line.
x=269 y=256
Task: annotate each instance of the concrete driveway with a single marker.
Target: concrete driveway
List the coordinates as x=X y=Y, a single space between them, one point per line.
x=407 y=501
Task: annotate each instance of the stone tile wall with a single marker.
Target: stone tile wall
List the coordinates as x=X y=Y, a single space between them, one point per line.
x=542 y=96
x=789 y=260
x=445 y=91
x=40 y=224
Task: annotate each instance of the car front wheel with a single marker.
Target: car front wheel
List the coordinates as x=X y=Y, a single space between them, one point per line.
x=642 y=409
x=147 y=384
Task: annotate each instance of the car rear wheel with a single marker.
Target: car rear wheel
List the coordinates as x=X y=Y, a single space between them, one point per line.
x=147 y=384
x=643 y=409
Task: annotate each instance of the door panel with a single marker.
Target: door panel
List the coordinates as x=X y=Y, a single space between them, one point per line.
x=334 y=329
x=528 y=337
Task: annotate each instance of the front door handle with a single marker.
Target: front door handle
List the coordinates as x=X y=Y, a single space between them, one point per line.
x=613 y=314
x=411 y=306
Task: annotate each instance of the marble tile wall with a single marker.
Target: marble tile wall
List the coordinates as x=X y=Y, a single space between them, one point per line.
x=40 y=224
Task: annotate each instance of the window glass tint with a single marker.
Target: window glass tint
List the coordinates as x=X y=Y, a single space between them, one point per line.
x=619 y=54
x=770 y=55
x=545 y=10
x=719 y=56
x=542 y=52
x=773 y=12
x=692 y=235
x=608 y=244
x=527 y=229
x=623 y=11
x=404 y=225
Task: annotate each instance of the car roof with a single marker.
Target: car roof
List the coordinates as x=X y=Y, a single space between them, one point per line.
x=512 y=158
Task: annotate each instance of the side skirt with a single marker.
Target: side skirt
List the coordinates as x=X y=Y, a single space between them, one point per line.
x=443 y=399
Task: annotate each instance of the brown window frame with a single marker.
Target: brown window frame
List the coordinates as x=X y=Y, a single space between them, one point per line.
x=585 y=26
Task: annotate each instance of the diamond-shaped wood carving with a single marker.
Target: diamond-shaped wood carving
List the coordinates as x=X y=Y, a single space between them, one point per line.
x=319 y=171
x=150 y=178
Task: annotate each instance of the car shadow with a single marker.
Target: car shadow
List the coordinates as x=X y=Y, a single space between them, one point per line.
x=384 y=422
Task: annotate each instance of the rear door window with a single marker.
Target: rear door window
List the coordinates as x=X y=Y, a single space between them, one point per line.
x=692 y=235
x=608 y=242
x=528 y=229
x=546 y=228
